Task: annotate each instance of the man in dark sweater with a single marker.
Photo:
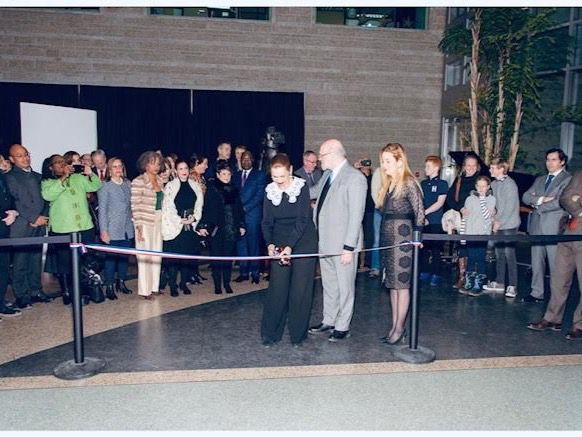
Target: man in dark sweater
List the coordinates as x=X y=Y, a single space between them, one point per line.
x=7 y=217
x=24 y=185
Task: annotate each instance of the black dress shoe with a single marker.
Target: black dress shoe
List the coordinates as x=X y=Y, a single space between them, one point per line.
x=530 y=299
x=318 y=329
x=339 y=336
x=241 y=278
x=40 y=297
x=185 y=289
x=217 y=291
x=174 y=290
x=269 y=343
x=574 y=335
x=228 y=289
x=255 y=279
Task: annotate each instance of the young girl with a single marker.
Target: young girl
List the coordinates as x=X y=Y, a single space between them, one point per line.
x=478 y=214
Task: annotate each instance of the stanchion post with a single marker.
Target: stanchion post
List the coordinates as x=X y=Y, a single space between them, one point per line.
x=416 y=238
x=413 y=353
x=77 y=307
x=81 y=366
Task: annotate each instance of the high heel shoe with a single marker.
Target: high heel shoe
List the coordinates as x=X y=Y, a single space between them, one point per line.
x=400 y=339
x=121 y=287
x=198 y=278
x=185 y=289
x=109 y=293
x=195 y=280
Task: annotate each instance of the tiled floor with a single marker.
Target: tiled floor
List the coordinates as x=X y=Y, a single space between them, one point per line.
x=199 y=333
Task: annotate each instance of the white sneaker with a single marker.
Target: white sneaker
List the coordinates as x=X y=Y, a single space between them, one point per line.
x=510 y=291
x=494 y=287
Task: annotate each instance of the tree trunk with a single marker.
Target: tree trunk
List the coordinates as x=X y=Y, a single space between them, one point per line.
x=500 y=109
x=488 y=135
x=474 y=79
x=514 y=146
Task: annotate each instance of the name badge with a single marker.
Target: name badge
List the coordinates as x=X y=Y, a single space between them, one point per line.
x=434 y=188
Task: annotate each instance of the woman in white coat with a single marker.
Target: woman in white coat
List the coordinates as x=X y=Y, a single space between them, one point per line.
x=181 y=212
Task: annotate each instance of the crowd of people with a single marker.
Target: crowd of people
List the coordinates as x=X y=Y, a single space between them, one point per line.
x=328 y=206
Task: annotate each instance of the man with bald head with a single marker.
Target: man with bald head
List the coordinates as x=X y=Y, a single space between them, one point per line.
x=24 y=185
x=338 y=214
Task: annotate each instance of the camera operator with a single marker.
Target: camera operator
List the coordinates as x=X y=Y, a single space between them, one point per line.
x=68 y=210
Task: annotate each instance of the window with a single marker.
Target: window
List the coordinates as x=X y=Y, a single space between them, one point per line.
x=454 y=74
x=237 y=13
x=403 y=18
x=455 y=13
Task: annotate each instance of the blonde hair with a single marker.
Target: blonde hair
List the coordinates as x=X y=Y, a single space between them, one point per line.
x=395 y=184
x=110 y=165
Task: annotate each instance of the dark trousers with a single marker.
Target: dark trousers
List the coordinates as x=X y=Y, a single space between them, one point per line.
x=290 y=295
x=476 y=252
x=368 y=225
x=249 y=245
x=220 y=246
x=430 y=254
x=59 y=255
x=178 y=265
x=116 y=262
x=506 y=259
x=27 y=266
x=4 y=269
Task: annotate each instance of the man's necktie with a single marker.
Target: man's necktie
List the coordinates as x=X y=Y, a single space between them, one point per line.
x=244 y=179
x=311 y=181
x=548 y=181
x=322 y=196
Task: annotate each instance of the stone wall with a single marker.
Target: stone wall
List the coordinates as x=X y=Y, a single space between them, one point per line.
x=365 y=87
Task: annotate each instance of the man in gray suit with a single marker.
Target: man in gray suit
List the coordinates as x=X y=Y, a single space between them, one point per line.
x=544 y=197
x=568 y=262
x=338 y=214
x=24 y=185
x=310 y=172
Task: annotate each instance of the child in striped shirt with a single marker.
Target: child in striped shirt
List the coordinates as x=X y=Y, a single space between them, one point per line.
x=478 y=216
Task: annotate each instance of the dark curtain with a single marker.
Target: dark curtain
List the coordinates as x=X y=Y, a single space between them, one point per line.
x=11 y=94
x=133 y=120
x=241 y=117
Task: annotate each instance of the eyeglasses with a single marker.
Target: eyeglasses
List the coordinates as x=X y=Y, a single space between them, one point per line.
x=24 y=155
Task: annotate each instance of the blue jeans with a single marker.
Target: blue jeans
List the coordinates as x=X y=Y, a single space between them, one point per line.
x=375 y=264
x=476 y=252
x=117 y=262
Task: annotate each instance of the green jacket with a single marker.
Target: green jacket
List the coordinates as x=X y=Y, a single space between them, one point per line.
x=69 y=209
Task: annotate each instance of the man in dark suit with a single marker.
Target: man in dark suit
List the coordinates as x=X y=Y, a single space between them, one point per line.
x=251 y=184
x=7 y=217
x=24 y=184
x=310 y=172
x=544 y=197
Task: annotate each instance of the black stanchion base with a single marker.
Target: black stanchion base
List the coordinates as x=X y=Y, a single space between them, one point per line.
x=71 y=370
x=421 y=355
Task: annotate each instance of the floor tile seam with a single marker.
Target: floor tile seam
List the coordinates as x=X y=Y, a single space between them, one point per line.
x=286 y=372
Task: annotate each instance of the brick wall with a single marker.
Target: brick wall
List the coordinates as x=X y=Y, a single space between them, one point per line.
x=365 y=87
